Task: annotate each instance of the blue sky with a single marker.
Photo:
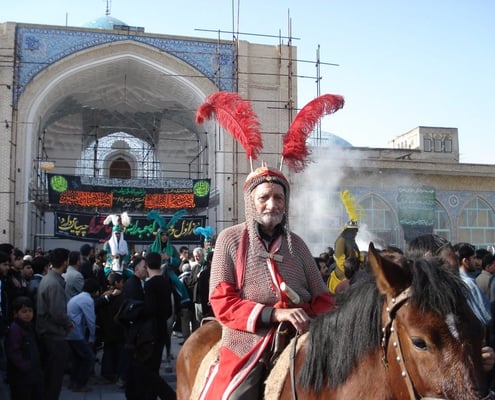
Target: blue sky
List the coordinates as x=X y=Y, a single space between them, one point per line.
x=401 y=63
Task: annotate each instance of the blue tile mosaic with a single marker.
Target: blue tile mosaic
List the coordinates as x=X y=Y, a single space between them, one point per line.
x=38 y=48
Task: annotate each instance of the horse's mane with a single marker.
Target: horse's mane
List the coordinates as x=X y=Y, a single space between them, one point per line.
x=339 y=339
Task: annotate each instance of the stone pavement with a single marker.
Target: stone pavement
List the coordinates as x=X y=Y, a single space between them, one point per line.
x=109 y=391
x=102 y=390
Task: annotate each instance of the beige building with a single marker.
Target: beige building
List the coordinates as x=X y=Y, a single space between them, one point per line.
x=415 y=186
x=114 y=108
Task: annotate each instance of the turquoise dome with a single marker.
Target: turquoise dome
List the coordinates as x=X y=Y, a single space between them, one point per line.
x=330 y=140
x=106 y=22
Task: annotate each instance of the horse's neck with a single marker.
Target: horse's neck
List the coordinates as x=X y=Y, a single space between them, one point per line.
x=369 y=380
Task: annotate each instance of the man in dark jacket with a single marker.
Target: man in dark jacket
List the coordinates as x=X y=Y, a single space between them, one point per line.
x=113 y=332
x=157 y=299
x=4 y=310
x=133 y=291
x=133 y=287
x=53 y=323
x=86 y=269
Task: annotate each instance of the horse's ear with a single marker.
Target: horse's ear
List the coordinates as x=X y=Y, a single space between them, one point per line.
x=391 y=278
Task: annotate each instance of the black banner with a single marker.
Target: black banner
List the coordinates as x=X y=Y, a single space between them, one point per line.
x=89 y=227
x=69 y=192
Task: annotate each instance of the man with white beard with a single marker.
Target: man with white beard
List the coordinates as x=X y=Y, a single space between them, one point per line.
x=253 y=262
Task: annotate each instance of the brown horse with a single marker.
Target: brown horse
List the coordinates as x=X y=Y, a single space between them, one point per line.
x=192 y=353
x=406 y=333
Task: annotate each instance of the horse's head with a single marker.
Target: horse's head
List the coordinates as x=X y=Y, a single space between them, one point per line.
x=431 y=339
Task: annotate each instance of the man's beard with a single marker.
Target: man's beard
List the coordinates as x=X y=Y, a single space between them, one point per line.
x=471 y=267
x=270 y=219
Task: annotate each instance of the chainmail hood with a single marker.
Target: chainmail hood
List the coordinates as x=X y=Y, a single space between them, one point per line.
x=258 y=176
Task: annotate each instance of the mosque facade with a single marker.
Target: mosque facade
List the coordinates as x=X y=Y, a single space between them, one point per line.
x=101 y=119
x=415 y=186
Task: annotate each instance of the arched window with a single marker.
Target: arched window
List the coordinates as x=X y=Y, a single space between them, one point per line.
x=447 y=145
x=427 y=144
x=437 y=144
x=442 y=225
x=120 y=168
x=379 y=219
x=476 y=224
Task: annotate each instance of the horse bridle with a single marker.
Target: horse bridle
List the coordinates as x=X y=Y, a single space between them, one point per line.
x=390 y=335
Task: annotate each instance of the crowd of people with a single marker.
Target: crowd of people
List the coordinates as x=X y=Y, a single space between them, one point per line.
x=58 y=308
x=61 y=309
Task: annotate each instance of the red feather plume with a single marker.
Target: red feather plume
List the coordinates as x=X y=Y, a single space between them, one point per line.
x=295 y=150
x=237 y=117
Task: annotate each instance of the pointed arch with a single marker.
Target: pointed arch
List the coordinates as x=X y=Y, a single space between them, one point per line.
x=120 y=168
x=442 y=225
x=379 y=220
x=476 y=223
x=104 y=89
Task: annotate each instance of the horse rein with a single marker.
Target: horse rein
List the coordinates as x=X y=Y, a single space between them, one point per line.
x=292 y=366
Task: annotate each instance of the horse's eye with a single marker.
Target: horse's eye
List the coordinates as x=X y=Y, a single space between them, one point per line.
x=419 y=343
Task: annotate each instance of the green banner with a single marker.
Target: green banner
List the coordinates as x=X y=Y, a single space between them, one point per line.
x=416 y=206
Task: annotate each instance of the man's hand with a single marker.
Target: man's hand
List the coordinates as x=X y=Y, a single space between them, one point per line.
x=487 y=358
x=296 y=316
x=69 y=328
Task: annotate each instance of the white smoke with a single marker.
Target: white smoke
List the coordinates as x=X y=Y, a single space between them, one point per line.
x=316 y=211
x=364 y=237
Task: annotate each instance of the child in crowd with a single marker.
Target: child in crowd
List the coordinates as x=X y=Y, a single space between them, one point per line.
x=24 y=372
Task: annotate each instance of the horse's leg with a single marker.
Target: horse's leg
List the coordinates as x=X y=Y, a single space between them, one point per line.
x=192 y=353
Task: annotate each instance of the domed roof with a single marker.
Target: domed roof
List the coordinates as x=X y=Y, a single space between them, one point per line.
x=329 y=140
x=105 y=22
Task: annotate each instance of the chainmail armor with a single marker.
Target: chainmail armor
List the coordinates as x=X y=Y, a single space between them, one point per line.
x=298 y=269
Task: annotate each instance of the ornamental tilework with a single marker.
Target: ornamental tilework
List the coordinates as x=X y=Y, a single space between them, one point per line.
x=452 y=202
x=38 y=48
